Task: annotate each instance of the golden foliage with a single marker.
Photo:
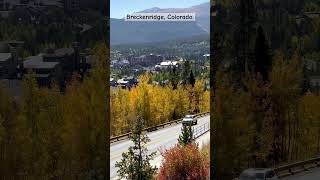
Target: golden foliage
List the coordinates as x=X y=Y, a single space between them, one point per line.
x=52 y=135
x=264 y=123
x=157 y=104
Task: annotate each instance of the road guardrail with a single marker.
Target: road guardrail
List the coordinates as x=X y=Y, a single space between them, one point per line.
x=199 y=131
x=297 y=167
x=153 y=128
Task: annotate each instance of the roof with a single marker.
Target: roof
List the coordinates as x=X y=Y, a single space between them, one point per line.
x=60 y=52
x=30 y=4
x=85 y=27
x=129 y=78
x=5 y=56
x=142 y=56
x=168 y=63
x=52 y=3
x=121 y=81
x=42 y=75
x=13 y=42
x=36 y=62
x=257 y=170
x=125 y=61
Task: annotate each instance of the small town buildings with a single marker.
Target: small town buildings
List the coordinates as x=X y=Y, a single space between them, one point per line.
x=67 y=57
x=146 y=60
x=71 y=5
x=45 y=71
x=58 y=65
x=119 y=62
x=8 y=64
x=126 y=82
x=206 y=56
x=113 y=82
x=166 y=65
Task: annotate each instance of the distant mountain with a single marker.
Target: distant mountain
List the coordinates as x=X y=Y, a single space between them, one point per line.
x=188 y=47
x=202 y=13
x=126 y=32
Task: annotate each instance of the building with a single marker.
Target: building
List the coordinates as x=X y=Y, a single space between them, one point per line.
x=45 y=71
x=146 y=60
x=113 y=82
x=71 y=5
x=166 y=65
x=8 y=64
x=54 y=65
x=126 y=82
x=68 y=58
x=6 y=5
x=58 y=65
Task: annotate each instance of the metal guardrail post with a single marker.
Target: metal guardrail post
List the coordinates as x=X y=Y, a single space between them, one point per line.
x=288 y=170
x=197 y=132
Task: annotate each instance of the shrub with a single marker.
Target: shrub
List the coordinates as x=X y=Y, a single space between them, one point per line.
x=184 y=163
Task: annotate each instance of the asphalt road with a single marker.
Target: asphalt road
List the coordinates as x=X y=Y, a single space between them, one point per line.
x=312 y=174
x=163 y=138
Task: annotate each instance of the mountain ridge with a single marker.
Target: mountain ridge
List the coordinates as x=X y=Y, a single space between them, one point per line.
x=126 y=32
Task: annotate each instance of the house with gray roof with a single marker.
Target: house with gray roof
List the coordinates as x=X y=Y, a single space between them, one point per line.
x=8 y=64
x=45 y=72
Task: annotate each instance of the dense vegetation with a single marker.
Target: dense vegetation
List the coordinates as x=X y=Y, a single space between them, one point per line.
x=49 y=135
x=199 y=67
x=264 y=113
x=188 y=48
x=158 y=104
x=54 y=28
x=184 y=162
x=135 y=164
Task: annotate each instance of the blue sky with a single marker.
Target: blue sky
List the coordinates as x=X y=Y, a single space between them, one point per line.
x=121 y=7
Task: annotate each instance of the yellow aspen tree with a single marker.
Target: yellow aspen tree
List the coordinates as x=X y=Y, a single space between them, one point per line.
x=197 y=94
x=31 y=113
x=205 y=102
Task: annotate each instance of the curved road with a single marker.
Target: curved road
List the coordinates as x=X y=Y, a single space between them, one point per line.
x=163 y=138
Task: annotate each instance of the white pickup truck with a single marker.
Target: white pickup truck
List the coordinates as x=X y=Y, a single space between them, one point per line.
x=190 y=120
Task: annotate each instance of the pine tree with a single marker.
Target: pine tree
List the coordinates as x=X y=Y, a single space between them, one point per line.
x=186 y=70
x=135 y=164
x=192 y=80
x=243 y=36
x=174 y=78
x=31 y=113
x=262 y=55
x=186 y=136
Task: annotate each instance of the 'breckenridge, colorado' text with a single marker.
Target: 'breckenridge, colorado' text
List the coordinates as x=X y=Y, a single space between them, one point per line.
x=160 y=17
